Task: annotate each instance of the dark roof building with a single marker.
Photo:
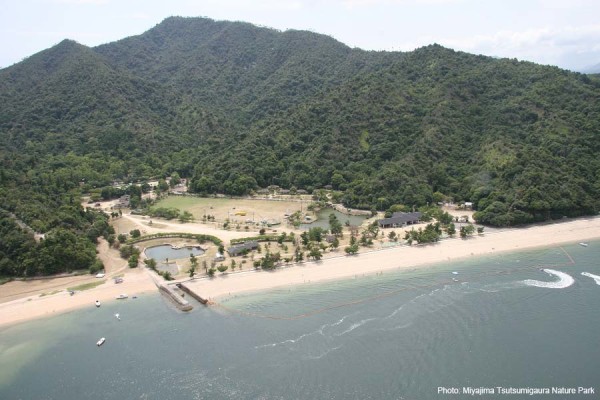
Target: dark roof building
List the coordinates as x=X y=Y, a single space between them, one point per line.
x=399 y=219
x=242 y=248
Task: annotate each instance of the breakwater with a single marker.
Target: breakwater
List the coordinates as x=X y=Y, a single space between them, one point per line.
x=179 y=301
x=195 y=295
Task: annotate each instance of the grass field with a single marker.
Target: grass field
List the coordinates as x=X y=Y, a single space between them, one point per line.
x=234 y=209
x=86 y=286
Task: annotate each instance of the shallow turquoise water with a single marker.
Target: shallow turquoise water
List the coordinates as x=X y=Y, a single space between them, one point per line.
x=398 y=335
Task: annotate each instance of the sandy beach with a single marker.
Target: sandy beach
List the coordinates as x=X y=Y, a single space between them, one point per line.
x=26 y=303
x=402 y=257
x=22 y=301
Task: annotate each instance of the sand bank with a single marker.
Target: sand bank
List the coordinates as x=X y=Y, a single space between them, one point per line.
x=402 y=257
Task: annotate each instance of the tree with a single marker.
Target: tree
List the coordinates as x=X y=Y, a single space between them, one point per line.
x=194 y=264
x=315 y=234
x=392 y=236
x=211 y=272
x=135 y=233
x=175 y=179
x=133 y=261
x=335 y=226
x=335 y=243
x=304 y=237
x=298 y=255
x=315 y=253
x=451 y=230
x=122 y=238
x=352 y=249
x=163 y=186
x=222 y=268
x=150 y=263
x=185 y=216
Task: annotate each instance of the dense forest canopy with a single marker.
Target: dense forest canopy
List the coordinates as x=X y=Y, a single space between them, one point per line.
x=235 y=107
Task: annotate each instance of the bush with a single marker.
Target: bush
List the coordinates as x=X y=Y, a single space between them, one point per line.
x=96 y=267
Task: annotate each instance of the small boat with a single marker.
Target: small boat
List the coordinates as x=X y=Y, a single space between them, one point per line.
x=118 y=316
x=100 y=342
x=455 y=280
x=583 y=244
x=97 y=303
x=122 y=296
x=454 y=273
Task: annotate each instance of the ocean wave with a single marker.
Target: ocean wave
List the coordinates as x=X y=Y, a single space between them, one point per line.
x=596 y=278
x=564 y=281
x=323 y=354
x=355 y=325
x=319 y=331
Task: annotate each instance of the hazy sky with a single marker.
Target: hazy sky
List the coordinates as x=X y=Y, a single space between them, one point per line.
x=558 y=32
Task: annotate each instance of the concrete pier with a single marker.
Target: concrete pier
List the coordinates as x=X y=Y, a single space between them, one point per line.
x=195 y=295
x=179 y=301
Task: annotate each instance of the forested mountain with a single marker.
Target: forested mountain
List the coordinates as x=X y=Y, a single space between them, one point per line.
x=235 y=107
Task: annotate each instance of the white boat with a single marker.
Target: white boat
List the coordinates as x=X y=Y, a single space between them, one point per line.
x=583 y=244
x=101 y=342
x=97 y=303
x=122 y=296
x=118 y=316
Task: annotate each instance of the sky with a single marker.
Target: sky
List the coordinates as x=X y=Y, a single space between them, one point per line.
x=565 y=33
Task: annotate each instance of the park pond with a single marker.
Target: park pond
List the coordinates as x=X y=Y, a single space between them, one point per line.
x=323 y=219
x=166 y=251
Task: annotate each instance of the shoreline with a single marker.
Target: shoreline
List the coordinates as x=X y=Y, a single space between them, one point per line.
x=400 y=258
x=337 y=267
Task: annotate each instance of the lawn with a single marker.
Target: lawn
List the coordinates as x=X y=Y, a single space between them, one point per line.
x=237 y=210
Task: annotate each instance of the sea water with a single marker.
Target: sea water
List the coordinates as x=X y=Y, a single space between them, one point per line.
x=523 y=320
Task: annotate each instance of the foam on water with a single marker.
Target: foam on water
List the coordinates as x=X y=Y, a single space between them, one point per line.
x=596 y=278
x=564 y=281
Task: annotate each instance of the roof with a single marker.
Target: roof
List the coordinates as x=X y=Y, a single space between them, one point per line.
x=400 y=218
x=240 y=247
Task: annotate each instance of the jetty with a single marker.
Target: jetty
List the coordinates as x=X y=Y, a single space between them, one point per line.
x=195 y=295
x=179 y=301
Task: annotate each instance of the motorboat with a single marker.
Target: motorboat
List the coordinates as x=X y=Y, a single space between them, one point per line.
x=100 y=342
x=118 y=316
x=122 y=296
x=97 y=303
x=583 y=244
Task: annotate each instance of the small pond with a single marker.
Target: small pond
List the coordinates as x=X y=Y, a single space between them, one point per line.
x=160 y=253
x=323 y=219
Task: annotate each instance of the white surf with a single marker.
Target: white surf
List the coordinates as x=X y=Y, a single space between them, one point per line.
x=564 y=281
x=596 y=278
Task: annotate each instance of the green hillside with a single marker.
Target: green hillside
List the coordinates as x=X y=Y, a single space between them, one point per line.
x=235 y=107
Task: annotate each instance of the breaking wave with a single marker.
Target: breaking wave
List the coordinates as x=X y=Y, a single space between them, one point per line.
x=564 y=281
